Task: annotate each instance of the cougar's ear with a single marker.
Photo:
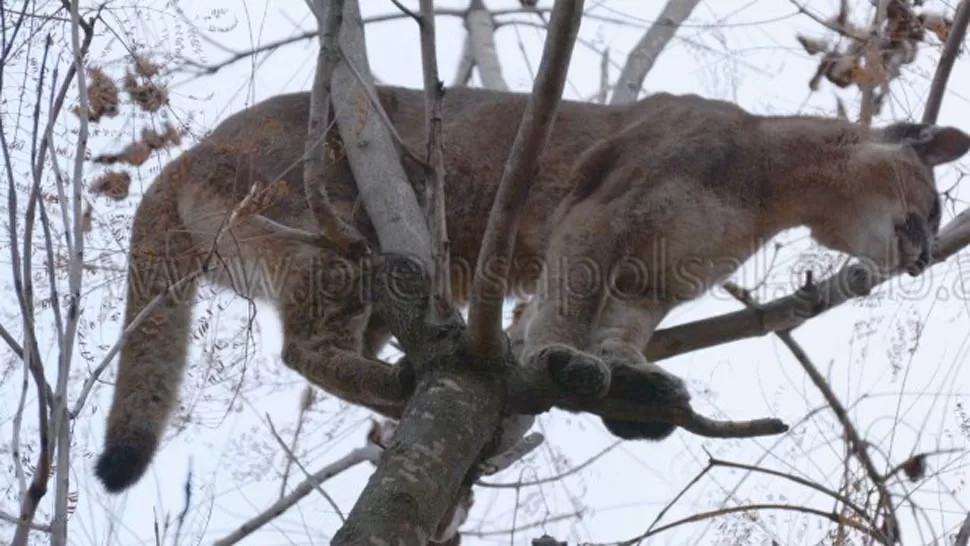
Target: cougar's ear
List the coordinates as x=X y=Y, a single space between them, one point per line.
x=935 y=145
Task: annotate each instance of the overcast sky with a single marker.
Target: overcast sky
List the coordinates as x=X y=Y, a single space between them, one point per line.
x=895 y=358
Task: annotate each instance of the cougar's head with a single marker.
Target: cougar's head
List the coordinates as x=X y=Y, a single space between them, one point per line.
x=892 y=214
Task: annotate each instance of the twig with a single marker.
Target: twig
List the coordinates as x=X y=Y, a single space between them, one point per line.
x=801 y=481
x=135 y=323
x=305 y=401
x=557 y=477
x=404 y=9
x=833 y=517
x=8 y=518
x=856 y=444
x=526 y=526
x=679 y=495
x=950 y=49
x=292 y=457
x=367 y=453
x=491 y=269
x=650 y=46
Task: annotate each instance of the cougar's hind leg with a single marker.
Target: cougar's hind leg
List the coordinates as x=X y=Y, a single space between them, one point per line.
x=329 y=338
x=153 y=358
x=568 y=302
x=620 y=339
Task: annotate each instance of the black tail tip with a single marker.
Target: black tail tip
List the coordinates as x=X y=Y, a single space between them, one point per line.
x=121 y=465
x=632 y=430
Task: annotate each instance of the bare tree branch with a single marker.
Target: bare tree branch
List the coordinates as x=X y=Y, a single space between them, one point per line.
x=466 y=64
x=487 y=296
x=950 y=49
x=369 y=452
x=292 y=457
x=481 y=35
x=433 y=93
x=857 y=446
x=789 y=312
x=315 y=155
x=645 y=53
x=8 y=518
x=384 y=188
x=831 y=516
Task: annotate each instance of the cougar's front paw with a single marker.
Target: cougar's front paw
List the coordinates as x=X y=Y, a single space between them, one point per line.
x=576 y=372
x=650 y=384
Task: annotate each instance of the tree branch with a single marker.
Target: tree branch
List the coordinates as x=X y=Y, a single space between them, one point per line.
x=790 y=312
x=315 y=155
x=481 y=37
x=645 y=53
x=857 y=445
x=950 y=49
x=383 y=186
x=433 y=93
x=369 y=452
x=491 y=270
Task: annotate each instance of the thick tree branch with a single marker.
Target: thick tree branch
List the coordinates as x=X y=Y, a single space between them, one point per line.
x=950 y=49
x=792 y=311
x=433 y=94
x=491 y=271
x=315 y=156
x=458 y=401
x=384 y=187
x=645 y=53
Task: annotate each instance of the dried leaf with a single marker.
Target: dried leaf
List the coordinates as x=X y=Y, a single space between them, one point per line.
x=102 y=96
x=144 y=67
x=149 y=96
x=137 y=153
x=134 y=154
x=113 y=185
x=915 y=467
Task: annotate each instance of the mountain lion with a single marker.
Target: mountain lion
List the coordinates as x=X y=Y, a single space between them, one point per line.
x=636 y=209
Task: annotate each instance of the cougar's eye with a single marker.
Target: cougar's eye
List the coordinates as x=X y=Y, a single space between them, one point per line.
x=933 y=219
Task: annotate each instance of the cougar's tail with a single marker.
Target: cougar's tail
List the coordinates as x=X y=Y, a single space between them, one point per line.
x=162 y=261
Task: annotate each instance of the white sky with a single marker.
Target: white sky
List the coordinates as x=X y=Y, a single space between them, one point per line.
x=741 y=50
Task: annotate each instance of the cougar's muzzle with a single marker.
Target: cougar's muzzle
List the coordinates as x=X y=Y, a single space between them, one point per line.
x=915 y=244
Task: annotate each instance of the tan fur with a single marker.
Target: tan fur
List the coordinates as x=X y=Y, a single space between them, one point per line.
x=676 y=190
